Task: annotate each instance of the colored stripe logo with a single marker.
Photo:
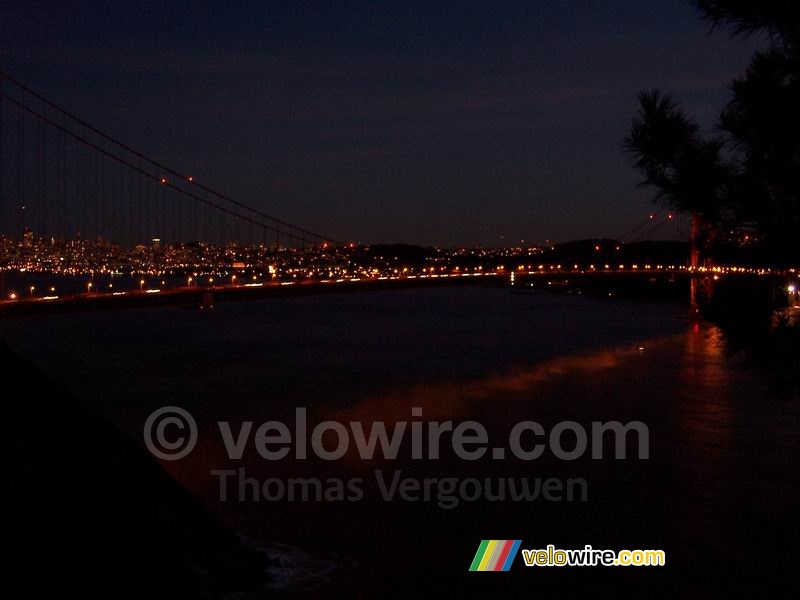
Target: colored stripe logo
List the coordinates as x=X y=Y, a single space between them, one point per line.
x=495 y=555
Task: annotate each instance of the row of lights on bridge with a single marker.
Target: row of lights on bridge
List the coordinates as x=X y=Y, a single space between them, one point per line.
x=792 y=289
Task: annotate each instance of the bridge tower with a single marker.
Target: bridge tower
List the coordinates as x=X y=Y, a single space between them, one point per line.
x=694 y=262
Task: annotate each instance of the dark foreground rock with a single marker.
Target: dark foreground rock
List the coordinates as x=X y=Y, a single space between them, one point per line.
x=86 y=513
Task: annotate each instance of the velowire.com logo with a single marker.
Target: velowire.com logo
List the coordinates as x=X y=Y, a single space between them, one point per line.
x=495 y=555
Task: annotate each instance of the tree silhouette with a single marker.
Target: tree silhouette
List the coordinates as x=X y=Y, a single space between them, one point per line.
x=763 y=123
x=750 y=173
x=780 y=19
x=687 y=171
x=747 y=176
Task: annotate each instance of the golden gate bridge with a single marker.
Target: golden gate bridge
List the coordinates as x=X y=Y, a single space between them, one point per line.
x=61 y=178
x=64 y=178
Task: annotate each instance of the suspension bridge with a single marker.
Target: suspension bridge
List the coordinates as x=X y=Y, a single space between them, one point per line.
x=66 y=179
x=76 y=201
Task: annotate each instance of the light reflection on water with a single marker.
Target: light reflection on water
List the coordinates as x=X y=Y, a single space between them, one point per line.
x=721 y=478
x=459 y=399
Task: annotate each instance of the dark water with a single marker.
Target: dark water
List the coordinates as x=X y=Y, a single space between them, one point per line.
x=719 y=493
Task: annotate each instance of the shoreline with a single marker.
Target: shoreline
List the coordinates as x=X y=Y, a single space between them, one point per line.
x=87 y=509
x=630 y=285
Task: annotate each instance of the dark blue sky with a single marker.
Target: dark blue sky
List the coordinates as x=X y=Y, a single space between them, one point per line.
x=437 y=122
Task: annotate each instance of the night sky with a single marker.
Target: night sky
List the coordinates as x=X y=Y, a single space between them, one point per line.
x=435 y=123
